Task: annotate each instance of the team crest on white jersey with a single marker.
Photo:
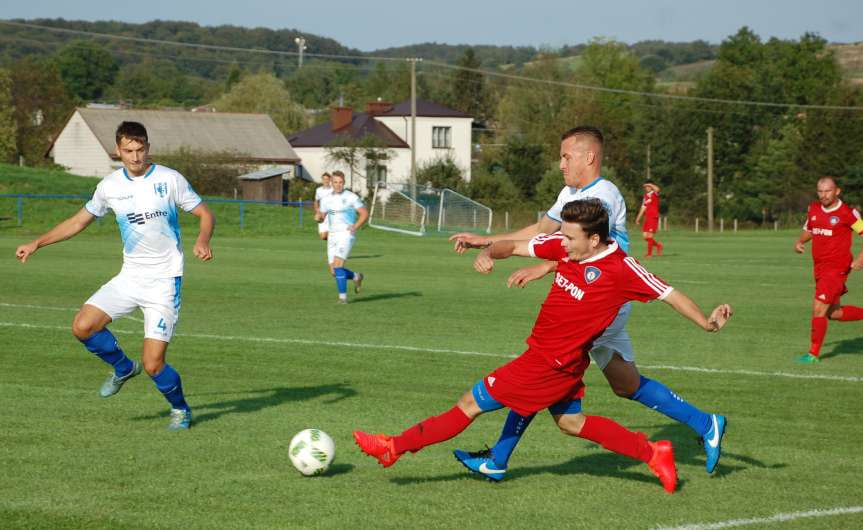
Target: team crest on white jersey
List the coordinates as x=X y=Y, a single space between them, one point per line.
x=161 y=189
x=591 y=274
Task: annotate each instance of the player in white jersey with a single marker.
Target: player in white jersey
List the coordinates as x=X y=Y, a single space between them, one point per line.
x=324 y=190
x=345 y=214
x=144 y=198
x=581 y=164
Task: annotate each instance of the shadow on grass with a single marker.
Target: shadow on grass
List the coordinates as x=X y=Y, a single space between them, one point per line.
x=384 y=296
x=366 y=256
x=687 y=450
x=260 y=399
x=845 y=347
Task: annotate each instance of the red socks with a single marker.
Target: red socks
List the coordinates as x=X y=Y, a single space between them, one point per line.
x=651 y=243
x=431 y=431
x=851 y=313
x=819 y=329
x=615 y=437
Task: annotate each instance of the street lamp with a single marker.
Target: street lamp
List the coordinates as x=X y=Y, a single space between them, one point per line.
x=301 y=46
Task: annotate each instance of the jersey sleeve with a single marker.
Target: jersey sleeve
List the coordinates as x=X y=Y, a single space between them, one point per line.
x=186 y=198
x=97 y=205
x=356 y=202
x=855 y=221
x=548 y=246
x=639 y=284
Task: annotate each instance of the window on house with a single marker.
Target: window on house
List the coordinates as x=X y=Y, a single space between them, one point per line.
x=441 y=137
x=376 y=175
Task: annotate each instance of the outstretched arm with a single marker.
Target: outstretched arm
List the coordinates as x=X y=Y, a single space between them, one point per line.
x=525 y=275
x=63 y=231
x=688 y=308
x=484 y=263
x=466 y=240
x=202 y=248
x=800 y=244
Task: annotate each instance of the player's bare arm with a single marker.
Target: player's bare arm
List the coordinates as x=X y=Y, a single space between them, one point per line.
x=640 y=213
x=688 y=308
x=468 y=240
x=503 y=249
x=524 y=276
x=800 y=244
x=63 y=231
x=361 y=219
x=202 y=248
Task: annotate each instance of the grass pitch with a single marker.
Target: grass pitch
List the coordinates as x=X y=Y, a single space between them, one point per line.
x=264 y=352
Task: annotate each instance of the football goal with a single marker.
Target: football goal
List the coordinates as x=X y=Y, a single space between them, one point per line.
x=457 y=212
x=394 y=211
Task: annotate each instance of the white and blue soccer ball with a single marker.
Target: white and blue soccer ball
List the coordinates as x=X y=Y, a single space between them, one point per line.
x=312 y=451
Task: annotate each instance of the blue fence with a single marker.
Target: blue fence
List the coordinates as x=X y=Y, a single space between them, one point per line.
x=242 y=203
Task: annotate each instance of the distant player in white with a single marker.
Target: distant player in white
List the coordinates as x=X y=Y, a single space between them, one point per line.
x=145 y=198
x=345 y=214
x=581 y=163
x=324 y=190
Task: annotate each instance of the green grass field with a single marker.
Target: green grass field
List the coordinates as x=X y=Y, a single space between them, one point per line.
x=264 y=352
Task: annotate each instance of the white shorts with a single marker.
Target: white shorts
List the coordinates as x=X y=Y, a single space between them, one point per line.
x=322 y=227
x=615 y=339
x=158 y=298
x=339 y=245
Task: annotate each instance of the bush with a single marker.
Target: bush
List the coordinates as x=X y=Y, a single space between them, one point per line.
x=442 y=173
x=210 y=173
x=495 y=190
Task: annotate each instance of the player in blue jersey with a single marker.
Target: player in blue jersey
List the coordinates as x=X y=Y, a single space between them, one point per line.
x=581 y=164
x=345 y=214
x=144 y=198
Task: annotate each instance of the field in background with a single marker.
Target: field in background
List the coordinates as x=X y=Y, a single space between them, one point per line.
x=265 y=352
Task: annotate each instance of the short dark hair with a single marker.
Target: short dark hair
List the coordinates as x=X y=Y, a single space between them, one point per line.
x=338 y=173
x=584 y=130
x=650 y=181
x=590 y=214
x=132 y=130
x=834 y=179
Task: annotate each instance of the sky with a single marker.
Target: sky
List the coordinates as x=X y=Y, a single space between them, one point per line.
x=375 y=24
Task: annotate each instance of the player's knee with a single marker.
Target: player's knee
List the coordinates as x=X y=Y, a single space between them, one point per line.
x=624 y=389
x=323 y=236
x=570 y=424
x=153 y=366
x=83 y=329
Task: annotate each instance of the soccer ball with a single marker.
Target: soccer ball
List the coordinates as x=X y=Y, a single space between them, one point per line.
x=312 y=451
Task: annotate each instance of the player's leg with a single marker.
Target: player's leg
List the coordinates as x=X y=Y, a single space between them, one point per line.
x=430 y=431
x=161 y=306
x=846 y=313
x=341 y=244
x=616 y=438
x=111 y=301
x=648 y=238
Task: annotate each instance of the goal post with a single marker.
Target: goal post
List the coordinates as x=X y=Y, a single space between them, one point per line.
x=396 y=212
x=457 y=212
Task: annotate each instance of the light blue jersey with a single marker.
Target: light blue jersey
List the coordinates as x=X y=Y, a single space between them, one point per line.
x=146 y=212
x=341 y=209
x=605 y=191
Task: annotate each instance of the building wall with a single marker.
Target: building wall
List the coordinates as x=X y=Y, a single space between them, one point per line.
x=78 y=149
x=461 y=139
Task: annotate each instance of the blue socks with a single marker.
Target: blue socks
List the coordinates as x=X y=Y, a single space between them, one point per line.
x=104 y=345
x=512 y=432
x=342 y=277
x=169 y=384
x=655 y=395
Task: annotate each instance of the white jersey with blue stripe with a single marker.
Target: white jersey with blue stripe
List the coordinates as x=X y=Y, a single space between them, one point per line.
x=146 y=212
x=341 y=209
x=605 y=191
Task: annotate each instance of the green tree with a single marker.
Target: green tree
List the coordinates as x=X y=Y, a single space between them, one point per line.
x=87 y=68
x=8 y=127
x=442 y=173
x=263 y=93
x=157 y=82
x=468 y=92
x=365 y=159
x=524 y=163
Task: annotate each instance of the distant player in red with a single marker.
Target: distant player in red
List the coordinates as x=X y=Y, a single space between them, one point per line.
x=829 y=225
x=650 y=212
x=594 y=278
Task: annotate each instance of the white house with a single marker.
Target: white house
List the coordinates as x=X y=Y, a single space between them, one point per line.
x=440 y=133
x=86 y=144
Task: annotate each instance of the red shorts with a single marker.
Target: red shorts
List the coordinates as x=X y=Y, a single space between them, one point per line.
x=829 y=287
x=528 y=383
x=651 y=224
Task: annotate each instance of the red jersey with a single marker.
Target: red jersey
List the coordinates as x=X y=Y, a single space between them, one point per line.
x=584 y=299
x=831 y=236
x=650 y=201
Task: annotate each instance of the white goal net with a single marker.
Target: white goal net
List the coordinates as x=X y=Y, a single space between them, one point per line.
x=458 y=212
x=394 y=211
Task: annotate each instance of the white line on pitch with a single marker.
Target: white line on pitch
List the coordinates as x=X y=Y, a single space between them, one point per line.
x=778 y=518
x=755 y=373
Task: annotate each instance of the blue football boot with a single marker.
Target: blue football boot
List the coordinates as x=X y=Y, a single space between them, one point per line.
x=113 y=384
x=713 y=441
x=480 y=462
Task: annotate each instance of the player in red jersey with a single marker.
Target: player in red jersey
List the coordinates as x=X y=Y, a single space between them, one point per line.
x=650 y=211
x=594 y=278
x=829 y=224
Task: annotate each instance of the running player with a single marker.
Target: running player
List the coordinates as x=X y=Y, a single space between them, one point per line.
x=345 y=214
x=594 y=279
x=829 y=224
x=144 y=198
x=581 y=165
x=320 y=192
x=650 y=211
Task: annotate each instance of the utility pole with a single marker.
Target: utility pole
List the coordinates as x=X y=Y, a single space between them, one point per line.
x=413 y=128
x=648 y=161
x=301 y=46
x=710 y=179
